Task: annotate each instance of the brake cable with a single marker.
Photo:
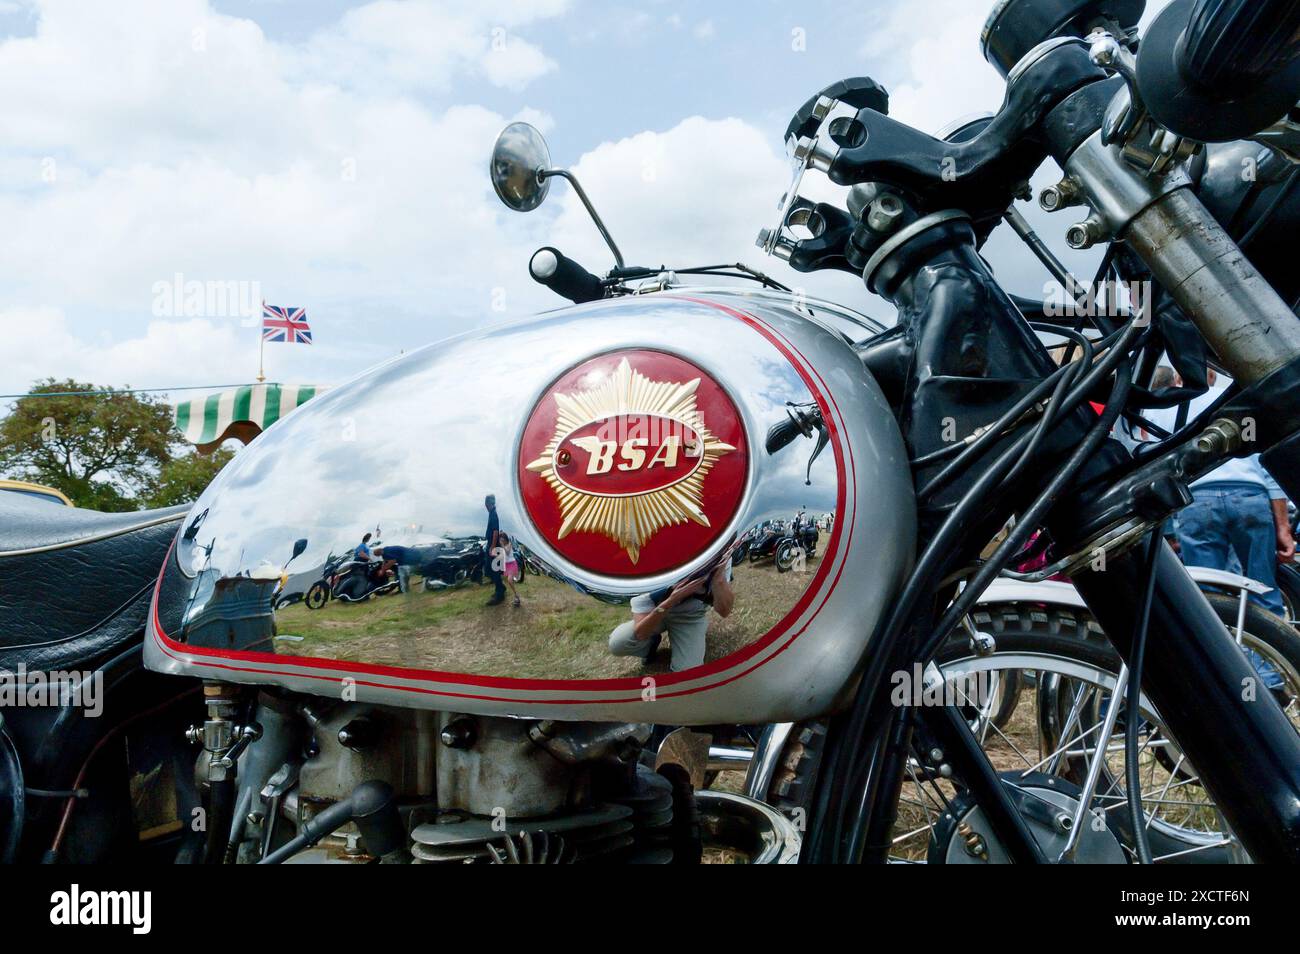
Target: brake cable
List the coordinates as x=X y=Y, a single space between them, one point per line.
x=830 y=803
x=1133 y=693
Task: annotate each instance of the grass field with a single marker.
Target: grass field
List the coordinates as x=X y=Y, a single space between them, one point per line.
x=557 y=633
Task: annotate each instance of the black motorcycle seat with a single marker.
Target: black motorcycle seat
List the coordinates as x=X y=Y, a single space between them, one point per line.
x=75 y=584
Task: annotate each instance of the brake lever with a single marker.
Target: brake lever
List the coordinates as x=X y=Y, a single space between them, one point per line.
x=823 y=436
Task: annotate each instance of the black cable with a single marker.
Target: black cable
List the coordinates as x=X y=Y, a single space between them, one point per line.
x=931 y=563
x=990 y=433
x=738 y=270
x=1133 y=698
x=996 y=430
x=1054 y=403
x=1033 y=514
x=927 y=571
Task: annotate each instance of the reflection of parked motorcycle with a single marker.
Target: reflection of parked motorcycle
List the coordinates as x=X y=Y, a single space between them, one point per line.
x=358 y=580
x=320 y=592
x=766 y=537
x=459 y=562
x=788 y=546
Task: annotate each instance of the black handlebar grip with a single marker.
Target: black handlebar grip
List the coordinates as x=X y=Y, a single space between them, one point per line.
x=782 y=433
x=1221 y=70
x=564 y=276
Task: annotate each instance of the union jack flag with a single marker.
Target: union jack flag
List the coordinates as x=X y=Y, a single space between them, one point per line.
x=288 y=325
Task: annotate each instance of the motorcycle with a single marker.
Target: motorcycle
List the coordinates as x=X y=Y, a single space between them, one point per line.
x=455 y=564
x=631 y=468
x=766 y=537
x=358 y=580
x=801 y=537
x=322 y=591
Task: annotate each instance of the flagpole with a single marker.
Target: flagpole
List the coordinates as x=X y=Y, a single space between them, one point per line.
x=261 y=347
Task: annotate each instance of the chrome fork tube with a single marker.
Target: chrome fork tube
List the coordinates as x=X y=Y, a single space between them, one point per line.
x=1246 y=322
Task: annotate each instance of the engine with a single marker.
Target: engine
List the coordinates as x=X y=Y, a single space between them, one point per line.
x=313 y=781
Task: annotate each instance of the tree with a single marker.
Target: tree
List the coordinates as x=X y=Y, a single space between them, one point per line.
x=183 y=478
x=104 y=451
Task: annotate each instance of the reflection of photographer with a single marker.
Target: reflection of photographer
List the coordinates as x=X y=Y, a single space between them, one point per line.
x=682 y=613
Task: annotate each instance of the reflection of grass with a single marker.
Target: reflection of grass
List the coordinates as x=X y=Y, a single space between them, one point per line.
x=557 y=633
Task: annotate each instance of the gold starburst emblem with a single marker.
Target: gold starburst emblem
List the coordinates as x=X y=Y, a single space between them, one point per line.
x=647 y=452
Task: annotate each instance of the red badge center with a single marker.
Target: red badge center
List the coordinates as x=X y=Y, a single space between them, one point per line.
x=628 y=454
x=633 y=463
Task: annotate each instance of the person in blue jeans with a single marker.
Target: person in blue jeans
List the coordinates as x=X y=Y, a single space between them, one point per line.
x=1238 y=510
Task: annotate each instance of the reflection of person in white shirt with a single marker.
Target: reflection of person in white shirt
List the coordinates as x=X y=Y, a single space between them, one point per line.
x=682 y=613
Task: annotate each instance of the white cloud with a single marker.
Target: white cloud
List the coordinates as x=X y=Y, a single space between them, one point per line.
x=158 y=139
x=156 y=357
x=696 y=194
x=397 y=46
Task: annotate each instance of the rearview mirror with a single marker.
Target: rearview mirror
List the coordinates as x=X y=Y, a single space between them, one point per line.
x=519 y=159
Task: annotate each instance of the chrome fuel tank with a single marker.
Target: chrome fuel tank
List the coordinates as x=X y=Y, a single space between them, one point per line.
x=625 y=443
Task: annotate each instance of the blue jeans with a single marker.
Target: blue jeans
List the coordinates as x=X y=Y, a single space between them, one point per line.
x=1234 y=519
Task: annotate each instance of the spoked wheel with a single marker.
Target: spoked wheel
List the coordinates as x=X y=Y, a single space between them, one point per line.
x=1039 y=712
x=1056 y=728
x=785 y=557
x=1288 y=585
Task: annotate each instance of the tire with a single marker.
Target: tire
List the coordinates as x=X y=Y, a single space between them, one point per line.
x=785 y=557
x=1288 y=584
x=793 y=783
x=318 y=595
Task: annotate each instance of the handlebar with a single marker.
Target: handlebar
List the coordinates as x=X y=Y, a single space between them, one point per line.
x=550 y=267
x=782 y=433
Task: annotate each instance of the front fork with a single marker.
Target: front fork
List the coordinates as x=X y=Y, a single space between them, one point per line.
x=1245 y=749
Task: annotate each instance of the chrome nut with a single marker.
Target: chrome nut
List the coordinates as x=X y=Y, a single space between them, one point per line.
x=1060 y=196
x=1085 y=234
x=884 y=212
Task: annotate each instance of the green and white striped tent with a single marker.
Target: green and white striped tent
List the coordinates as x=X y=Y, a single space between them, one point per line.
x=241 y=413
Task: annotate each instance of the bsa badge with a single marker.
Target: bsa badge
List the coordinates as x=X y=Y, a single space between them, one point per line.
x=633 y=463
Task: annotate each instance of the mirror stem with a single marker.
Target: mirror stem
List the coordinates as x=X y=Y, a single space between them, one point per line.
x=547 y=173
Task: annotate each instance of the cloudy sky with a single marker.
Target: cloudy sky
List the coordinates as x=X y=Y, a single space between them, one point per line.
x=333 y=155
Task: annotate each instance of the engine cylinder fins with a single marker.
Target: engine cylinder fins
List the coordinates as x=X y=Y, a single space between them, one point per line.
x=529 y=849
x=651 y=803
x=603 y=833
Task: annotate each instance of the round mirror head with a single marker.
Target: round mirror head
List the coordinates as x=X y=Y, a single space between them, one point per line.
x=519 y=155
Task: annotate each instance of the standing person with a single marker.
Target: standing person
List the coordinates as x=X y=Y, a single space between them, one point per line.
x=491 y=541
x=1237 y=509
x=509 y=564
x=403 y=558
